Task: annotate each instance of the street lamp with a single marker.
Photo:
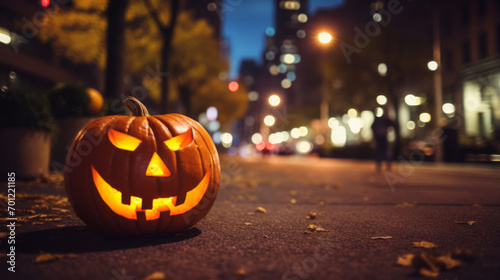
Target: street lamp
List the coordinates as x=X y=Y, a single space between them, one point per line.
x=325 y=37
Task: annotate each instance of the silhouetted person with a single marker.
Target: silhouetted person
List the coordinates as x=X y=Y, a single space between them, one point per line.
x=380 y=128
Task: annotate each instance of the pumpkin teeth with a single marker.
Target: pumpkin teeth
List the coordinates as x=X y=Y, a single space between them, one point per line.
x=113 y=198
x=125 y=199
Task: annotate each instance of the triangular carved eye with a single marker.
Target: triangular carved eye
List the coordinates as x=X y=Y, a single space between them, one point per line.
x=180 y=141
x=123 y=141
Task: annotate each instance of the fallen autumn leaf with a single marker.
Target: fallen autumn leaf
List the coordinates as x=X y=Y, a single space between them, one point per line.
x=424 y=244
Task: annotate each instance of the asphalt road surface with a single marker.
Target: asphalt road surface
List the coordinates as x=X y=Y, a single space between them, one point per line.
x=364 y=222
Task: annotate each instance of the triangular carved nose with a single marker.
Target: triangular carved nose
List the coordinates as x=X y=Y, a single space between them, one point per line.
x=157 y=167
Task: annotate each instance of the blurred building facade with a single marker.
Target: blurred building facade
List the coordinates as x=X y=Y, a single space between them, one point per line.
x=277 y=72
x=470 y=48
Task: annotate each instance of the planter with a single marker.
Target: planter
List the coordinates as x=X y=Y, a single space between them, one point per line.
x=24 y=151
x=68 y=129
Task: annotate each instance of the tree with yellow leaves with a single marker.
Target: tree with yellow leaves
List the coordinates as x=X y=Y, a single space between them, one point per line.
x=78 y=33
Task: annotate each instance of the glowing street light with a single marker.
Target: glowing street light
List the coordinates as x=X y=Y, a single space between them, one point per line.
x=325 y=37
x=274 y=100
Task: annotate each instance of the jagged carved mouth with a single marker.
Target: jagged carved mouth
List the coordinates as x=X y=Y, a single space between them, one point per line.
x=113 y=198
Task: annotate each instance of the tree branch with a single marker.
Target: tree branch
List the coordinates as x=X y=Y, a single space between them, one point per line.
x=154 y=15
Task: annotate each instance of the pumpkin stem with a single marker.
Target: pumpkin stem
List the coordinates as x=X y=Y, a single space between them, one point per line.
x=136 y=107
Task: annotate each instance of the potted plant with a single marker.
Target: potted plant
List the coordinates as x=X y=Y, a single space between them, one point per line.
x=73 y=106
x=26 y=124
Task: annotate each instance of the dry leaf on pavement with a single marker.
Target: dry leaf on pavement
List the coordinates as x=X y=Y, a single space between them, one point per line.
x=470 y=223
x=424 y=244
x=312 y=215
x=241 y=272
x=430 y=264
x=315 y=228
x=380 y=237
x=260 y=210
x=155 y=276
x=405 y=204
x=47 y=257
x=405 y=260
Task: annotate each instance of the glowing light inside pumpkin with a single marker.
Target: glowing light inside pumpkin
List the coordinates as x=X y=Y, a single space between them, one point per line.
x=180 y=141
x=123 y=141
x=112 y=197
x=157 y=167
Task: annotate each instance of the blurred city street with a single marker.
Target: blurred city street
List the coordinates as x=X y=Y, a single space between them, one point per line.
x=324 y=219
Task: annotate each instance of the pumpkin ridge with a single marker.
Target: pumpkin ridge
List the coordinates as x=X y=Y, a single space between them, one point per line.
x=179 y=180
x=214 y=162
x=129 y=121
x=96 y=203
x=93 y=190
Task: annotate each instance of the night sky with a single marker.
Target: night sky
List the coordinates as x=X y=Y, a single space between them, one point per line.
x=244 y=26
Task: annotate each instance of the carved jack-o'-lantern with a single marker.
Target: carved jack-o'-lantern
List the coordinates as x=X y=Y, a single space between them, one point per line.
x=142 y=174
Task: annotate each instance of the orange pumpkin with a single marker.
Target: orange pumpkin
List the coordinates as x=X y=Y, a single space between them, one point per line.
x=142 y=174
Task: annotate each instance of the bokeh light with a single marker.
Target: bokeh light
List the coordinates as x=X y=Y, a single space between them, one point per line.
x=425 y=117
x=5 y=36
x=352 y=113
x=295 y=133
x=274 y=100
x=339 y=136
x=412 y=100
x=448 y=108
x=226 y=139
x=333 y=123
x=410 y=125
x=233 y=86
x=303 y=131
x=288 y=58
x=286 y=83
x=303 y=147
x=256 y=138
x=212 y=113
x=325 y=37
x=270 y=31
x=253 y=96
x=302 y=18
x=382 y=69
x=301 y=33
x=269 y=120
x=381 y=100
x=432 y=65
